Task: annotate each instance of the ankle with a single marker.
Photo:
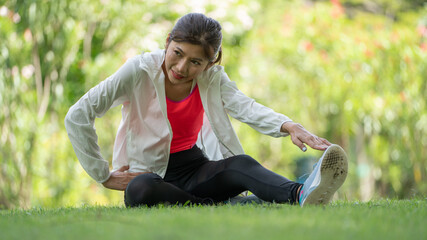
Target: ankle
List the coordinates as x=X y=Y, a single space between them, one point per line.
x=298 y=194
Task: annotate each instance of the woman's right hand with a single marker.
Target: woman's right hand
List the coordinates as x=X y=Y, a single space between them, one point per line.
x=119 y=179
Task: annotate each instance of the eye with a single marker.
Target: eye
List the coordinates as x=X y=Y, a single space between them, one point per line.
x=195 y=62
x=177 y=53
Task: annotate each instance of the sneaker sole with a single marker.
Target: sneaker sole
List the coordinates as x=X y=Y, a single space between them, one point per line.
x=333 y=173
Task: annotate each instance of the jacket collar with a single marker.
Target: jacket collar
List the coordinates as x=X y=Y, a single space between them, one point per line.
x=152 y=62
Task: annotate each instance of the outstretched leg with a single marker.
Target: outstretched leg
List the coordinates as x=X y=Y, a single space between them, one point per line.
x=223 y=179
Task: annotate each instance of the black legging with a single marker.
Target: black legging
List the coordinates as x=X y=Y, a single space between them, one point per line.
x=191 y=177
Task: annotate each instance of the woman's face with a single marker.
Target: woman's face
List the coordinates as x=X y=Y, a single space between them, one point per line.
x=184 y=62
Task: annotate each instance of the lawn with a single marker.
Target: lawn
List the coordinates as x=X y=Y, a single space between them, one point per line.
x=384 y=219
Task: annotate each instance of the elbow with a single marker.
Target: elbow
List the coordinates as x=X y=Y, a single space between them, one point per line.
x=68 y=120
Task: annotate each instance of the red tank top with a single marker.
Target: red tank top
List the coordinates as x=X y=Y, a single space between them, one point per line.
x=186 y=119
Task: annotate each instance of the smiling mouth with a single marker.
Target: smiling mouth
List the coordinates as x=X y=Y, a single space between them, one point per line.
x=177 y=75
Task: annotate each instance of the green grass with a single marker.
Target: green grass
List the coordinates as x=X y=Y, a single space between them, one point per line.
x=385 y=219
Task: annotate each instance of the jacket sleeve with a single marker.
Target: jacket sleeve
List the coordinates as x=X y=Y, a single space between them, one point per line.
x=79 y=121
x=247 y=110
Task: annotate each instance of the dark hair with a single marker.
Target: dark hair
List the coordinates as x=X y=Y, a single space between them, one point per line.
x=196 y=28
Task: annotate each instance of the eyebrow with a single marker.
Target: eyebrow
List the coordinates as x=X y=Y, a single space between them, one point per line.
x=197 y=59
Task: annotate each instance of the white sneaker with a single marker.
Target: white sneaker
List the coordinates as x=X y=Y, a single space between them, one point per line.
x=328 y=175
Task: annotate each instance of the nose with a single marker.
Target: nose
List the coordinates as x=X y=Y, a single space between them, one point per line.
x=182 y=66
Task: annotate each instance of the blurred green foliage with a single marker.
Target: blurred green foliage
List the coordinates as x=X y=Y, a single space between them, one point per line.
x=351 y=71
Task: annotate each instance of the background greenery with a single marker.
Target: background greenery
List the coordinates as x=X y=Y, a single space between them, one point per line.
x=353 y=71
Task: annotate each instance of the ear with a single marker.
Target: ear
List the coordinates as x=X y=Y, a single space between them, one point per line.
x=167 y=41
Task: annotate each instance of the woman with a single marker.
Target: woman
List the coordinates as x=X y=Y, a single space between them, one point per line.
x=175 y=123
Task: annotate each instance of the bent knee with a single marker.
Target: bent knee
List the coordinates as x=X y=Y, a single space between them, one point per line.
x=140 y=189
x=145 y=180
x=243 y=161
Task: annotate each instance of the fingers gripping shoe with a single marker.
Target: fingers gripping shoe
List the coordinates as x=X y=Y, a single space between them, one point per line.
x=328 y=175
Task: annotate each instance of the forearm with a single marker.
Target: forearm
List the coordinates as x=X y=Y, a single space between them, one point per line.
x=83 y=138
x=80 y=119
x=247 y=110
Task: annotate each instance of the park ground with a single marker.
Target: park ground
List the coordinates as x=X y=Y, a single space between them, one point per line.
x=380 y=219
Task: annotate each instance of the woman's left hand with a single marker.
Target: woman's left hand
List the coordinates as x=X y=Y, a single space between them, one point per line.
x=301 y=136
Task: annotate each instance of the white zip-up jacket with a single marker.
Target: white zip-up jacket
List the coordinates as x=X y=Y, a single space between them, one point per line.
x=145 y=134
